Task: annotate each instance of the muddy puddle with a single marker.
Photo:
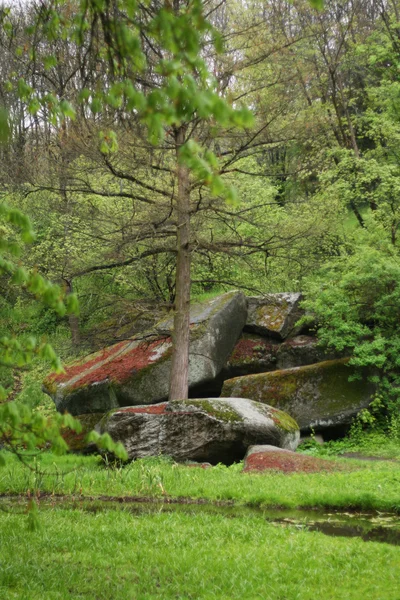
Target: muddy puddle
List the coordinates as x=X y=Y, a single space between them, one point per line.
x=369 y=526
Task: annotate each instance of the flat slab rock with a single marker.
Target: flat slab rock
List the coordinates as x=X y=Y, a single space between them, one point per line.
x=274 y=315
x=271 y=458
x=203 y=430
x=257 y=354
x=318 y=395
x=136 y=371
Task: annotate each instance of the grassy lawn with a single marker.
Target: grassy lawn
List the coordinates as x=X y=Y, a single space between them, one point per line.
x=116 y=555
x=93 y=552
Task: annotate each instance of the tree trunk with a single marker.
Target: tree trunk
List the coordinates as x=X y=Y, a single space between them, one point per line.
x=179 y=387
x=73 y=320
x=74 y=329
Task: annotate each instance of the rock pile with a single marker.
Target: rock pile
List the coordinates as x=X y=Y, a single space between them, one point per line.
x=136 y=371
x=249 y=351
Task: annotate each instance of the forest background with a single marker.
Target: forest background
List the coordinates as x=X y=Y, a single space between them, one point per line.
x=277 y=125
x=305 y=198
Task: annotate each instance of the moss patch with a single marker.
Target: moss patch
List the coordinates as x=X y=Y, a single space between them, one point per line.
x=219 y=410
x=272 y=316
x=318 y=391
x=283 y=420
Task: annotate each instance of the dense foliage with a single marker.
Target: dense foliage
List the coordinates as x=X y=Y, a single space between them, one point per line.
x=127 y=144
x=94 y=110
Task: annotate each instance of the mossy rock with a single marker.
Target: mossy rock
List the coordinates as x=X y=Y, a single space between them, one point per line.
x=202 y=429
x=257 y=354
x=318 y=395
x=270 y=458
x=274 y=315
x=302 y=350
x=136 y=371
x=252 y=354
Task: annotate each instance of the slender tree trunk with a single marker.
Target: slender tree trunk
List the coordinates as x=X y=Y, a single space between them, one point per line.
x=180 y=359
x=73 y=320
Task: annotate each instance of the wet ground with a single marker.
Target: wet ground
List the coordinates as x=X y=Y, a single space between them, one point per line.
x=369 y=526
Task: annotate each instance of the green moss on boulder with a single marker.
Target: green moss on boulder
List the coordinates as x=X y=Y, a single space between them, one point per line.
x=317 y=395
x=201 y=429
x=212 y=407
x=274 y=315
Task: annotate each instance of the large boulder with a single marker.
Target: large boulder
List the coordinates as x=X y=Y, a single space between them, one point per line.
x=256 y=354
x=274 y=315
x=318 y=395
x=300 y=351
x=208 y=429
x=136 y=371
x=271 y=458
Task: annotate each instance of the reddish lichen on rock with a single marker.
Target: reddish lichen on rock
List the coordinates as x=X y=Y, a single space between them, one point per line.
x=80 y=366
x=116 y=364
x=120 y=368
x=287 y=463
x=154 y=409
x=248 y=349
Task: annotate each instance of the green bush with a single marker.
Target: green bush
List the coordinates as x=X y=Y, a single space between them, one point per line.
x=355 y=299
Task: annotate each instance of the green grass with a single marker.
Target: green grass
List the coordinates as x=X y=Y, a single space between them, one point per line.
x=120 y=556
x=96 y=551
x=374 y=443
x=367 y=486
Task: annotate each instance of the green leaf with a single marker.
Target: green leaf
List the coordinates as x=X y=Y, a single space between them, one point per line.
x=92 y=437
x=24 y=90
x=84 y=95
x=4 y=126
x=120 y=452
x=67 y=109
x=72 y=304
x=20 y=276
x=318 y=4
x=33 y=106
x=96 y=105
x=47 y=352
x=104 y=149
x=49 y=62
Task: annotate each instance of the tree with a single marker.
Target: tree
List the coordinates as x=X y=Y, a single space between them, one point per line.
x=156 y=72
x=143 y=73
x=20 y=427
